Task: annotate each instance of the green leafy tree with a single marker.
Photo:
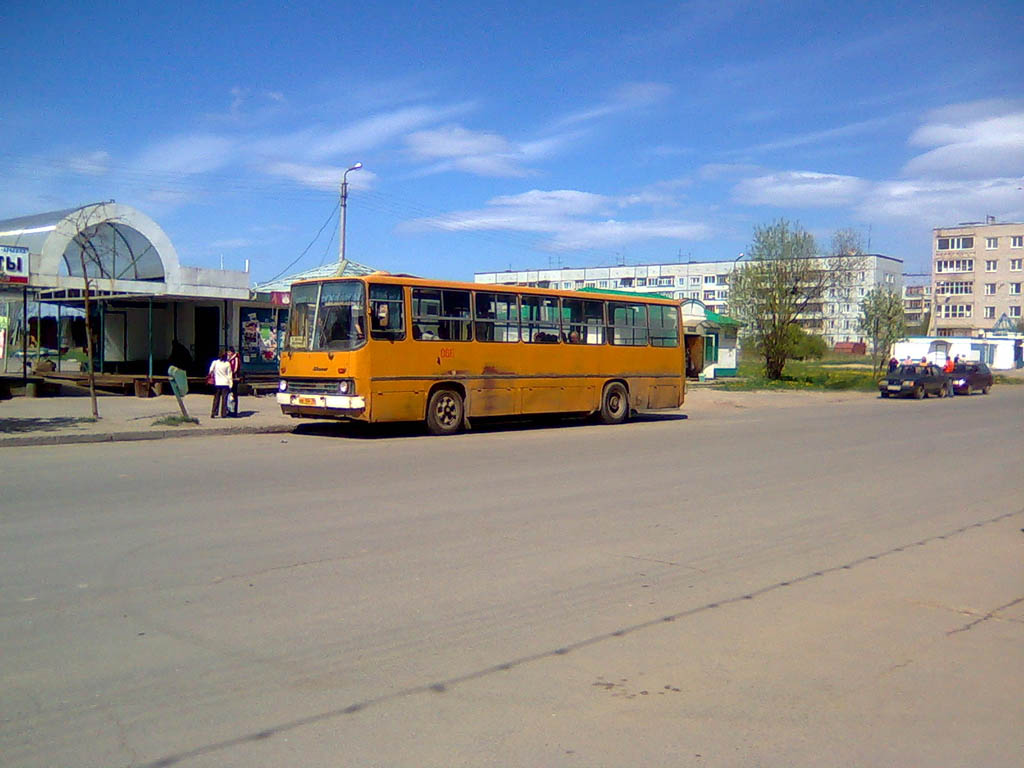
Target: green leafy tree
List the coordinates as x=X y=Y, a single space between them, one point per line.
x=783 y=282
x=803 y=345
x=882 y=321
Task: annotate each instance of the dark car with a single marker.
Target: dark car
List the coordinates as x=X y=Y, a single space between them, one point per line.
x=915 y=381
x=971 y=376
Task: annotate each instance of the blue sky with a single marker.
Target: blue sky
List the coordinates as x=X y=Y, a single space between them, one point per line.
x=498 y=136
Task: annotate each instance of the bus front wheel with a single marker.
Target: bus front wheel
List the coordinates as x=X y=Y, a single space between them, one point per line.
x=445 y=412
x=614 y=404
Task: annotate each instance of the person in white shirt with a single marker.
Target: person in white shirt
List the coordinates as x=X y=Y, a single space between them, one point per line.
x=220 y=371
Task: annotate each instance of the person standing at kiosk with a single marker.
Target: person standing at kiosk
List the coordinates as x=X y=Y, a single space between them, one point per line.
x=219 y=378
x=236 y=363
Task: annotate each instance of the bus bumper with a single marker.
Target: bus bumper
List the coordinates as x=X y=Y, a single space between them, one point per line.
x=336 y=406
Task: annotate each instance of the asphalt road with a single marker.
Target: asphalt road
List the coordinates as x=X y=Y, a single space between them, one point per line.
x=833 y=584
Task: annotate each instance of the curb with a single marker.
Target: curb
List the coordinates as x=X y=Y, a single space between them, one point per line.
x=115 y=437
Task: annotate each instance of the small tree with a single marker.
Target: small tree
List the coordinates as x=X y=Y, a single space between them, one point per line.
x=88 y=337
x=90 y=230
x=783 y=282
x=882 y=321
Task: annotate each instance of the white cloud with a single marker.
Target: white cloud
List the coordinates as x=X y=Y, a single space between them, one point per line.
x=971 y=169
x=320 y=176
x=940 y=203
x=816 y=137
x=714 y=171
x=555 y=202
x=92 y=164
x=455 y=141
x=800 y=188
x=477 y=152
x=977 y=140
x=571 y=219
x=233 y=243
x=190 y=154
x=379 y=129
x=627 y=98
x=610 y=233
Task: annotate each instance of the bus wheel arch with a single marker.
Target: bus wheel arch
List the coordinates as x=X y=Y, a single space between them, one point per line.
x=446 y=408
x=614 y=402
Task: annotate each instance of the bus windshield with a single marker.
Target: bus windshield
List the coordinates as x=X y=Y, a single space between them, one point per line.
x=327 y=316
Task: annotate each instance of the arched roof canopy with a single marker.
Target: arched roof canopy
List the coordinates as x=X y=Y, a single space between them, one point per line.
x=115 y=243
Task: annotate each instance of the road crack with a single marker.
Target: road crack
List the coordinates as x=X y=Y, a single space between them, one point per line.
x=993 y=614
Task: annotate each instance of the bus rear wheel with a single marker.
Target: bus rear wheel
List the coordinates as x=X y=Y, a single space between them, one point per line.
x=614 y=404
x=445 y=412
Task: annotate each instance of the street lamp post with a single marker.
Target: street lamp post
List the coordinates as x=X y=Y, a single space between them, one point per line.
x=344 y=202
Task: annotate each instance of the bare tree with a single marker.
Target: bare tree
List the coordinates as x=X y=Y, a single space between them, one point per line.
x=784 y=284
x=847 y=242
x=882 y=320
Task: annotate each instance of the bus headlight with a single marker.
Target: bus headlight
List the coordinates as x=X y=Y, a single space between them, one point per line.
x=346 y=387
x=282 y=386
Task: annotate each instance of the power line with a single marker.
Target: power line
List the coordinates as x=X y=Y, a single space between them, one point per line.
x=334 y=212
x=170 y=182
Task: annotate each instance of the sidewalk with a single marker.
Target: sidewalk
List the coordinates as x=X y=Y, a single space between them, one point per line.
x=68 y=418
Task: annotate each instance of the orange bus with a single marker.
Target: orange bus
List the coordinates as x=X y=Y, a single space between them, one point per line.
x=385 y=347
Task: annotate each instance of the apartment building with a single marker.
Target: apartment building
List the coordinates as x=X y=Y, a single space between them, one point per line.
x=835 y=317
x=707 y=281
x=917 y=298
x=977 y=275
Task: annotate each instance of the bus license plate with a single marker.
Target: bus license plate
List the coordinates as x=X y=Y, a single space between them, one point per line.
x=307 y=401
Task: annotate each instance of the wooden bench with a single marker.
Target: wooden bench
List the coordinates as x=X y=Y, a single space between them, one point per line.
x=35 y=385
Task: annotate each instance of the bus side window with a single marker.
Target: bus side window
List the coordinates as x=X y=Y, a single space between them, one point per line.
x=539 y=323
x=664 y=326
x=387 y=312
x=496 y=317
x=627 y=324
x=442 y=314
x=583 y=321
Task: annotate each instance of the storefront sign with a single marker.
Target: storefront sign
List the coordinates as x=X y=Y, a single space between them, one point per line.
x=13 y=264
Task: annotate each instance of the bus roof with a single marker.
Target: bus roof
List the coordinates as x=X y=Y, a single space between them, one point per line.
x=403 y=279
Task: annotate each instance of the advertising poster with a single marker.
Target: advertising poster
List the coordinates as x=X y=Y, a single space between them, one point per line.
x=262 y=335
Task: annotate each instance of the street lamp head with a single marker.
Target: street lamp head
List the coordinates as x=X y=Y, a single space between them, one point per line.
x=355 y=167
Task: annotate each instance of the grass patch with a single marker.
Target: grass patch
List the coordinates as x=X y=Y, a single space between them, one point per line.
x=812 y=376
x=1011 y=380
x=174 y=421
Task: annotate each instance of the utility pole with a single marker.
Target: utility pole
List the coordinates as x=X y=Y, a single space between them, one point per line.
x=344 y=202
